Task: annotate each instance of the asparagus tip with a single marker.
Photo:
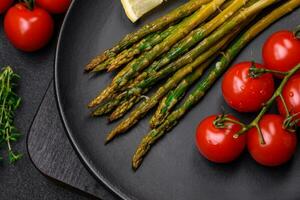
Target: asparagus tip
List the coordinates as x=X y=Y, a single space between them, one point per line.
x=96 y=61
x=136 y=164
x=95 y=114
x=110 y=120
x=87 y=68
x=91 y=104
x=109 y=138
x=110 y=68
x=106 y=141
x=134 y=167
x=98 y=69
x=112 y=117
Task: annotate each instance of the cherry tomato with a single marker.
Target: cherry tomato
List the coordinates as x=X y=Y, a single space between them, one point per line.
x=291 y=96
x=5 y=4
x=218 y=144
x=243 y=93
x=28 y=30
x=54 y=6
x=281 y=51
x=280 y=144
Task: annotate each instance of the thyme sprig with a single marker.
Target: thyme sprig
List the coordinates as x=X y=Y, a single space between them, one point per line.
x=9 y=102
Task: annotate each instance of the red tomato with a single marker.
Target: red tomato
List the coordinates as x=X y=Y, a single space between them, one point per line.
x=218 y=144
x=54 y=6
x=243 y=93
x=291 y=95
x=280 y=144
x=28 y=30
x=281 y=51
x=5 y=4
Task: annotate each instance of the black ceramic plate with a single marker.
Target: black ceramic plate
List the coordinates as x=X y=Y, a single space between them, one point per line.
x=173 y=169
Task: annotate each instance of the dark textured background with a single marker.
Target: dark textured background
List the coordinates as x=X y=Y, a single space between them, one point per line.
x=22 y=180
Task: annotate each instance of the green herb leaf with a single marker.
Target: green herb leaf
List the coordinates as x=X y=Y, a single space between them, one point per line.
x=9 y=102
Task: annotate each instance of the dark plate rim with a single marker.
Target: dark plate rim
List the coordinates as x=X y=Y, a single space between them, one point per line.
x=92 y=169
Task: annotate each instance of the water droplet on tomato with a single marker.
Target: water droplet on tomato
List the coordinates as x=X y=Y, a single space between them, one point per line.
x=262 y=92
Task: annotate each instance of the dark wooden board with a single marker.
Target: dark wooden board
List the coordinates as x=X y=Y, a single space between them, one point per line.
x=53 y=155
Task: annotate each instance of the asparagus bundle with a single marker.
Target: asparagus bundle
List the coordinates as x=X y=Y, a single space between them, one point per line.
x=145 y=85
x=123 y=108
x=145 y=106
x=154 y=26
x=141 y=110
x=208 y=81
x=137 y=65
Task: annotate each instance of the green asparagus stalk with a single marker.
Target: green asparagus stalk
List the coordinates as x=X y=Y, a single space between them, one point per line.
x=158 y=24
x=172 y=82
x=173 y=97
x=137 y=65
x=208 y=81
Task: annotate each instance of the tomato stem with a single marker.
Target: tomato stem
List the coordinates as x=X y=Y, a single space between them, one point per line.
x=290 y=122
x=29 y=3
x=255 y=72
x=266 y=107
x=297 y=32
x=284 y=105
x=220 y=121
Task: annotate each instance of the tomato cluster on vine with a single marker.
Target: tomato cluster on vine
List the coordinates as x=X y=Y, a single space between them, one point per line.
x=270 y=139
x=28 y=24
